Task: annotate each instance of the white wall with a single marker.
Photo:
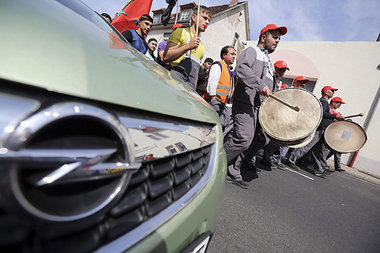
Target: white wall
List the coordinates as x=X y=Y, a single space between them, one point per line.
x=221 y=31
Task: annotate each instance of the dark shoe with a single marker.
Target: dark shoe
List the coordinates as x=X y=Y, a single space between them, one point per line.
x=280 y=166
x=292 y=166
x=269 y=165
x=265 y=162
x=250 y=165
x=328 y=172
x=239 y=183
x=339 y=169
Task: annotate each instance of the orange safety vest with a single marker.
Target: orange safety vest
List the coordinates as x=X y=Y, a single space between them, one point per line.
x=226 y=85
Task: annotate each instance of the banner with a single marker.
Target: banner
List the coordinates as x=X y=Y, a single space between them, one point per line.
x=128 y=18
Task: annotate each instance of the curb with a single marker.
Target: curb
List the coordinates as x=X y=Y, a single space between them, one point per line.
x=364 y=175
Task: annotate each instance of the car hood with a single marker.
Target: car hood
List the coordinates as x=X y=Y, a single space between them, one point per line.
x=57 y=49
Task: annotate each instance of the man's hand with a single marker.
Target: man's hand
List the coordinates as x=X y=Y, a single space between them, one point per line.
x=265 y=91
x=194 y=43
x=340 y=117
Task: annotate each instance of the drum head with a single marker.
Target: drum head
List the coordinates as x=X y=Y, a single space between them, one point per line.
x=345 y=136
x=286 y=125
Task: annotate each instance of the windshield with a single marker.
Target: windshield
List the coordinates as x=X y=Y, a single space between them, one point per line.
x=86 y=12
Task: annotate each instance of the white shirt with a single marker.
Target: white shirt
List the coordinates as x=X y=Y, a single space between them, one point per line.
x=213 y=78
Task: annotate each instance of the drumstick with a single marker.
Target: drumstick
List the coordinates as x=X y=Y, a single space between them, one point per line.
x=355 y=115
x=199 y=2
x=285 y=103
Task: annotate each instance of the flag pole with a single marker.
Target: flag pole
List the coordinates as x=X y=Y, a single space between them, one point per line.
x=199 y=2
x=176 y=15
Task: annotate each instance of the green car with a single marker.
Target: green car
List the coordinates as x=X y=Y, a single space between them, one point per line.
x=100 y=149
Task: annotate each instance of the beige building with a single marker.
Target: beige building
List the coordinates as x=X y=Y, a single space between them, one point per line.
x=353 y=68
x=229 y=23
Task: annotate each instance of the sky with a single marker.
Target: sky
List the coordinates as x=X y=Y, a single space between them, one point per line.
x=308 y=20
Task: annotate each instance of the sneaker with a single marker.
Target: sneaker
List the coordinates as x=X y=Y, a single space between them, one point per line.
x=273 y=166
x=281 y=166
x=242 y=184
x=318 y=174
x=340 y=169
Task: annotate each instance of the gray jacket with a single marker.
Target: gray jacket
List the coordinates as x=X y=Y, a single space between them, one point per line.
x=255 y=71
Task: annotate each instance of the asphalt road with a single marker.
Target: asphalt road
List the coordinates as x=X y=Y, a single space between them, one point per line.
x=286 y=212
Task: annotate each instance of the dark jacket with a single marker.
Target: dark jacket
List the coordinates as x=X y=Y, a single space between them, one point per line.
x=328 y=117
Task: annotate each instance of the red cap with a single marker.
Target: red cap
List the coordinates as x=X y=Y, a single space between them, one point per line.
x=281 y=65
x=328 y=88
x=284 y=86
x=338 y=99
x=269 y=27
x=301 y=78
x=178 y=25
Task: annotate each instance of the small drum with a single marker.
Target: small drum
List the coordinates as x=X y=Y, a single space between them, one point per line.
x=345 y=136
x=286 y=126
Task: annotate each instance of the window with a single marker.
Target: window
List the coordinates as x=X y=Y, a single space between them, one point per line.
x=185 y=15
x=156 y=19
x=309 y=86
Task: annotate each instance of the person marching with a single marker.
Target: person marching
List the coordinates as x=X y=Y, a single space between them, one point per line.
x=137 y=37
x=280 y=68
x=328 y=117
x=203 y=75
x=300 y=82
x=221 y=85
x=152 y=45
x=335 y=103
x=255 y=74
x=185 y=50
x=161 y=49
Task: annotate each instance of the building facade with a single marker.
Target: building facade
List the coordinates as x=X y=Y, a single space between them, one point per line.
x=232 y=19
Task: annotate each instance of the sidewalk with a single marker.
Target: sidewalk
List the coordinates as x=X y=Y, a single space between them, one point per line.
x=365 y=175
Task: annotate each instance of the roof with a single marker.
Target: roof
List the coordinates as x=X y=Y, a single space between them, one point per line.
x=215 y=10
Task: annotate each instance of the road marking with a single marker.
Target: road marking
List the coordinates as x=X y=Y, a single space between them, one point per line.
x=312 y=179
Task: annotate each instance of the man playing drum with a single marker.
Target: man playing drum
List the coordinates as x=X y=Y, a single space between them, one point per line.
x=255 y=74
x=328 y=117
x=335 y=103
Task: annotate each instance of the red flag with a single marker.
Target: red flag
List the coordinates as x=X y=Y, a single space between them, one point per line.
x=128 y=18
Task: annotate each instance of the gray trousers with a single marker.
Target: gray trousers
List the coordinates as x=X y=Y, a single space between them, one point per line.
x=319 y=156
x=240 y=137
x=225 y=115
x=337 y=158
x=274 y=154
x=298 y=152
x=187 y=70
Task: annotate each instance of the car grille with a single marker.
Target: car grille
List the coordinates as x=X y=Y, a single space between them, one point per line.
x=163 y=165
x=157 y=185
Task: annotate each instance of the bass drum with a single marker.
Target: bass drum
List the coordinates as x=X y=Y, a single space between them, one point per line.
x=304 y=143
x=345 y=136
x=286 y=126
